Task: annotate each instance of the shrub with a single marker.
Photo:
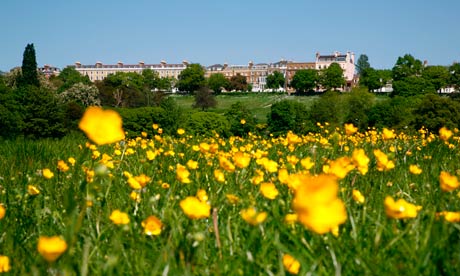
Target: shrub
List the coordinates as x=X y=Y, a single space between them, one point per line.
x=435 y=112
x=137 y=120
x=331 y=108
x=237 y=112
x=392 y=113
x=208 y=123
x=288 y=115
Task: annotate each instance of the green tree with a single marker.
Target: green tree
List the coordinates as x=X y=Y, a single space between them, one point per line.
x=437 y=75
x=395 y=112
x=29 y=67
x=83 y=94
x=68 y=77
x=11 y=123
x=191 y=78
x=238 y=83
x=358 y=104
x=217 y=82
x=406 y=66
x=435 y=112
x=305 y=80
x=412 y=86
x=123 y=89
x=332 y=77
x=454 y=78
x=237 y=112
x=362 y=64
x=331 y=108
x=288 y=115
x=204 y=99
x=275 y=80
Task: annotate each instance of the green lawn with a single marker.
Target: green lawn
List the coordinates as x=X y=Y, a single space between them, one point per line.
x=258 y=103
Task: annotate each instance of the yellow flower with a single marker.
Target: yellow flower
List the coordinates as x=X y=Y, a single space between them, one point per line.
x=339 y=167
x=118 y=217
x=62 y=166
x=51 y=248
x=71 y=160
x=241 y=159
x=47 y=173
x=180 y=131
x=142 y=179
x=4 y=264
x=291 y=218
x=291 y=264
x=251 y=216
x=350 y=129
x=242 y=121
x=361 y=161
x=135 y=196
x=219 y=176
x=323 y=211
x=448 y=182
x=194 y=208
x=400 y=209
x=2 y=211
x=445 y=134
x=32 y=190
x=232 y=199
x=283 y=176
x=388 y=134
x=151 y=155
x=269 y=190
x=226 y=164
x=414 y=169
x=358 y=197
x=191 y=164
x=182 y=174
x=102 y=126
x=202 y=195
x=307 y=163
x=292 y=159
x=152 y=226
x=134 y=184
x=383 y=163
x=155 y=126
x=450 y=216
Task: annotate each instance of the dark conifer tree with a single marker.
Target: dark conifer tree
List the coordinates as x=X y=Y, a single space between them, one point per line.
x=29 y=67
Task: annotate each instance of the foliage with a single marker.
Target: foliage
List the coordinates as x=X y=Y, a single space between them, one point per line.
x=435 y=112
x=275 y=80
x=238 y=83
x=358 y=104
x=332 y=77
x=437 y=75
x=412 y=86
x=29 y=67
x=138 y=120
x=395 y=112
x=454 y=78
x=43 y=116
x=123 y=89
x=204 y=99
x=82 y=94
x=68 y=77
x=305 y=80
x=362 y=64
x=208 y=124
x=217 y=82
x=406 y=66
x=374 y=79
x=174 y=116
x=330 y=108
x=191 y=78
x=10 y=115
x=287 y=115
x=241 y=119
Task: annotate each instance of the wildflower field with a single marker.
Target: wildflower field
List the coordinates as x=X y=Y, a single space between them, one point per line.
x=334 y=202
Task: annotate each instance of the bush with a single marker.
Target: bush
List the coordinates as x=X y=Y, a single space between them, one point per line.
x=392 y=113
x=330 y=108
x=288 y=115
x=358 y=104
x=137 y=120
x=237 y=112
x=208 y=123
x=435 y=112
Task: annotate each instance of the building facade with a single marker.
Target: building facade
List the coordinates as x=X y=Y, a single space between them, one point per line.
x=100 y=71
x=49 y=71
x=346 y=62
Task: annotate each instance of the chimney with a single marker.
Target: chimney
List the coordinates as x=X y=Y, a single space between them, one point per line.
x=163 y=63
x=120 y=64
x=185 y=62
x=98 y=64
x=77 y=64
x=141 y=63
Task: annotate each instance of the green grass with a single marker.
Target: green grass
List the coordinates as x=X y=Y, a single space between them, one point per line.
x=259 y=103
x=369 y=242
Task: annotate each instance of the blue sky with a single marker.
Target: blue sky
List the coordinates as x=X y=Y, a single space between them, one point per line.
x=237 y=31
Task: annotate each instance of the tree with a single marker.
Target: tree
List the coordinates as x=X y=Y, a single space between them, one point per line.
x=29 y=67
x=332 y=77
x=191 y=78
x=82 y=94
x=362 y=64
x=305 y=80
x=437 y=75
x=454 y=78
x=406 y=66
x=275 y=80
x=217 y=82
x=412 y=86
x=68 y=77
x=123 y=89
x=288 y=115
x=235 y=114
x=204 y=99
x=435 y=112
x=238 y=83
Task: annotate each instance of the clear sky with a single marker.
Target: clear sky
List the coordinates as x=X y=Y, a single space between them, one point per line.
x=234 y=31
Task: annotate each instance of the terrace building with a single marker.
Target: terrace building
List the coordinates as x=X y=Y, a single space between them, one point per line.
x=100 y=71
x=346 y=62
x=49 y=71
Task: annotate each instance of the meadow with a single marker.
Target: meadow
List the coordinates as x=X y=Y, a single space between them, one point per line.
x=333 y=202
